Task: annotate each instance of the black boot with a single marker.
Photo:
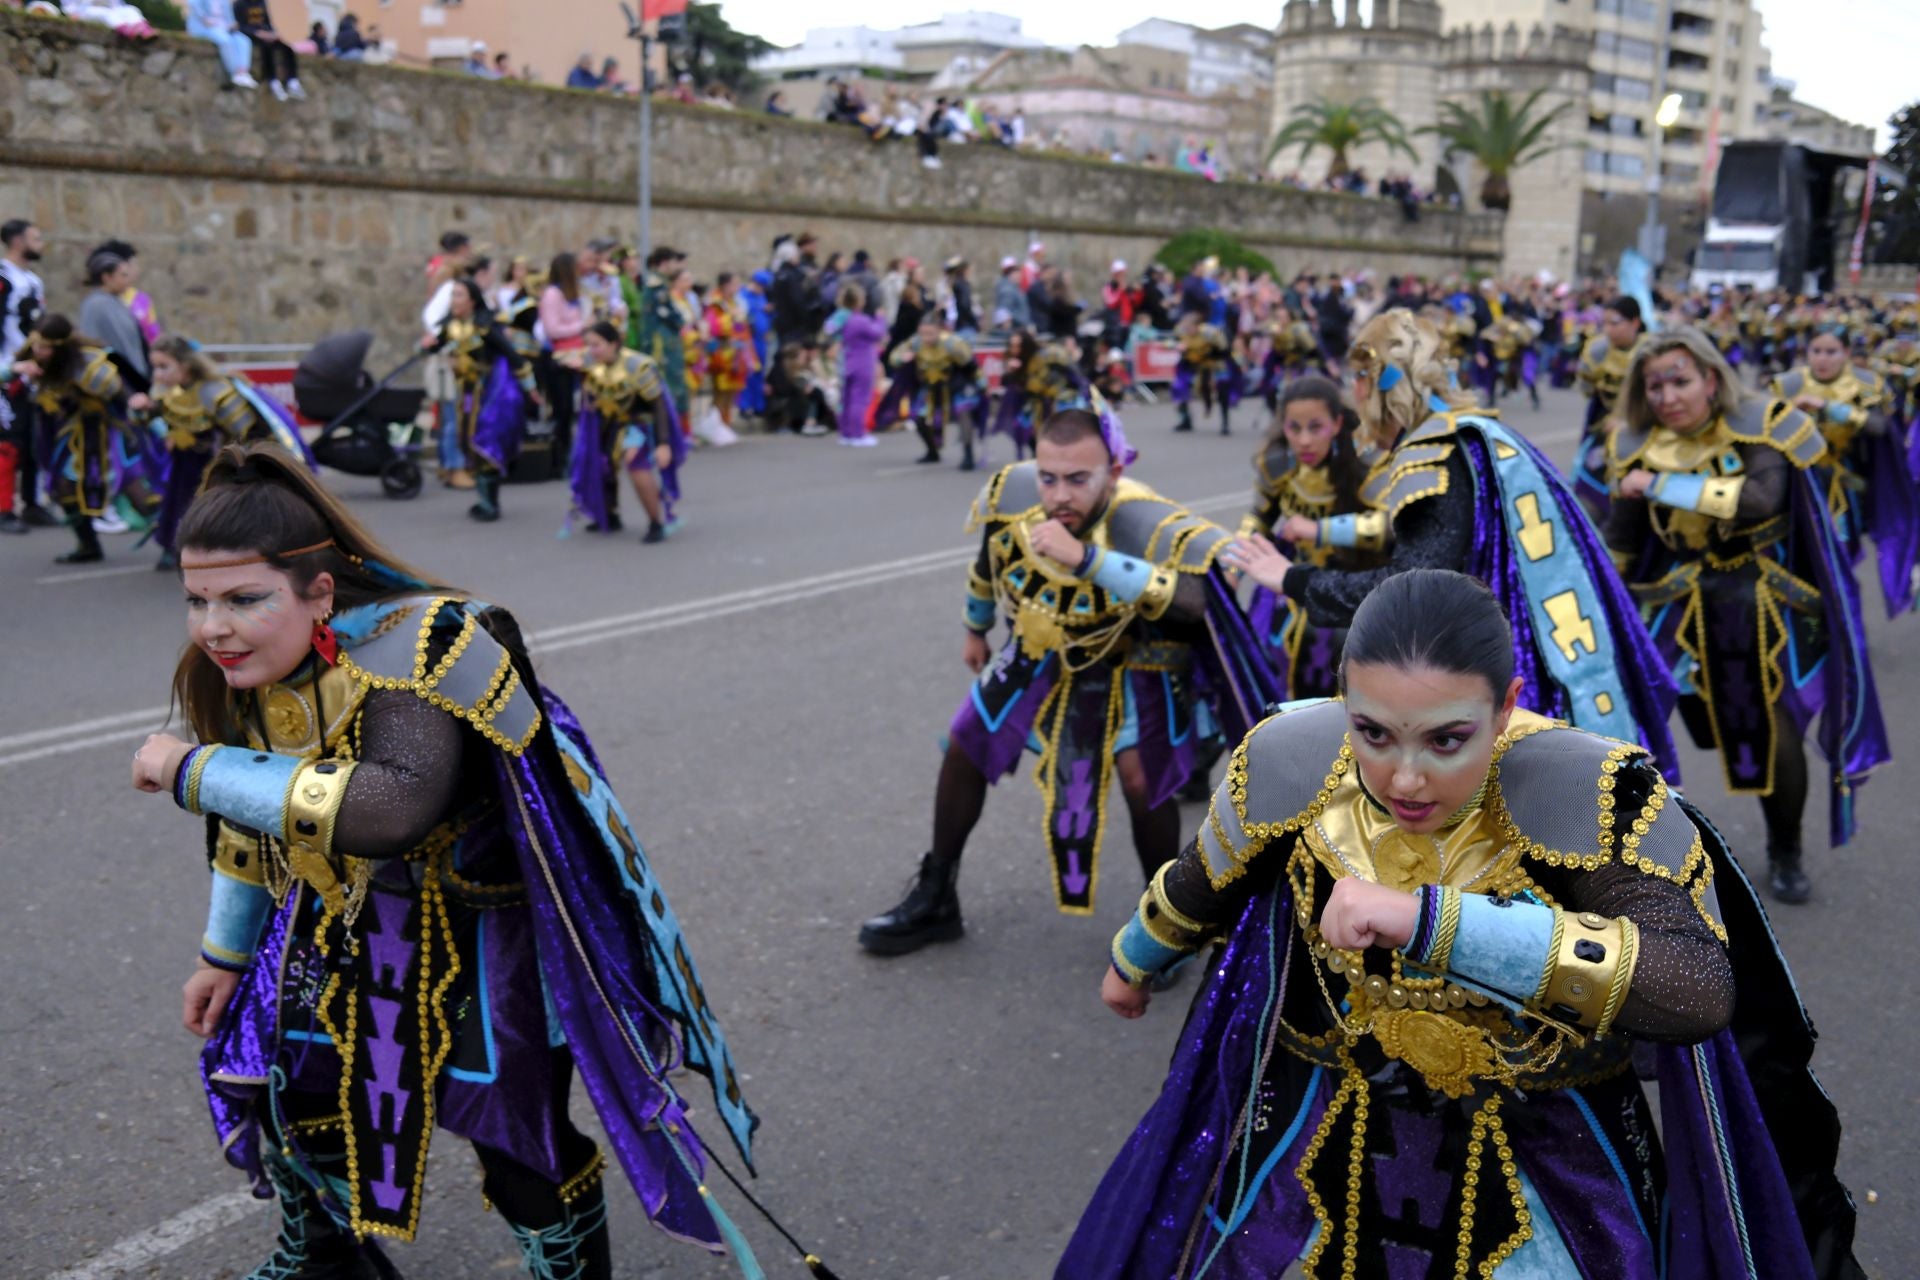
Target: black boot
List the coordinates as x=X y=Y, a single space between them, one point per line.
x=486 y=492
x=1785 y=877
x=1186 y=420
x=932 y=455
x=656 y=533
x=966 y=455
x=311 y=1246
x=89 y=549
x=929 y=913
x=574 y=1248
x=1226 y=424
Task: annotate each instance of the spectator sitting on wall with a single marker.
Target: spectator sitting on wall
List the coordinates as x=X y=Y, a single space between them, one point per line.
x=123 y=18
x=348 y=43
x=317 y=37
x=212 y=21
x=502 y=66
x=777 y=104
x=277 y=63
x=610 y=77
x=582 y=77
x=476 y=64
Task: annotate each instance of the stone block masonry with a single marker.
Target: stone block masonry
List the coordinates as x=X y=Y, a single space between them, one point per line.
x=259 y=221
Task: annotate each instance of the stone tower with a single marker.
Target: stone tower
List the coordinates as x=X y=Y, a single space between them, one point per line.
x=1543 y=227
x=1320 y=53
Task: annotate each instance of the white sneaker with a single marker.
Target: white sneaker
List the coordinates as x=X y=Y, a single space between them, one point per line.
x=109 y=523
x=864 y=442
x=929 y=162
x=295 y=92
x=279 y=90
x=814 y=429
x=243 y=80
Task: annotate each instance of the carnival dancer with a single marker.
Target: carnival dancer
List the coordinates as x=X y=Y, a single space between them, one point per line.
x=1870 y=488
x=1293 y=351
x=82 y=407
x=493 y=387
x=1507 y=359
x=656 y=332
x=201 y=411
x=1118 y=618
x=633 y=428
x=1721 y=527
x=1460 y=490
x=936 y=382
x=729 y=345
x=1450 y=927
x=428 y=907
x=1039 y=380
x=1207 y=365
x=1307 y=481
x=1603 y=366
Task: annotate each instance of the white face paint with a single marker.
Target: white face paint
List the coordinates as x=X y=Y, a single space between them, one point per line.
x=1423 y=738
x=249 y=619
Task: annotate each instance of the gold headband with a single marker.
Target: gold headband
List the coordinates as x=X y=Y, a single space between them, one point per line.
x=259 y=559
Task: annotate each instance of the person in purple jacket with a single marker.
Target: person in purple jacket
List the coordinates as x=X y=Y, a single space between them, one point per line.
x=861 y=337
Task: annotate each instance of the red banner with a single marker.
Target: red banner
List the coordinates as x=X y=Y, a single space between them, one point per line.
x=1155 y=361
x=651 y=9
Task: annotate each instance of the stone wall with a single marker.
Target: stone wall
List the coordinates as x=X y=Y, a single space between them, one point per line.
x=267 y=222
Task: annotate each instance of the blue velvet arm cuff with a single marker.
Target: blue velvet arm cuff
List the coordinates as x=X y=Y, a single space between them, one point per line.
x=246 y=787
x=1502 y=944
x=236 y=911
x=979 y=614
x=1680 y=490
x=1138 y=955
x=1340 y=531
x=1123 y=577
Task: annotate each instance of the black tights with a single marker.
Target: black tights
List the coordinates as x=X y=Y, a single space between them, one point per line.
x=962 y=793
x=1786 y=805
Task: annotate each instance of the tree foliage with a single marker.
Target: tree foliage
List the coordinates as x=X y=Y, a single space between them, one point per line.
x=1501 y=134
x=1339 y=127
x=1180 y=254
x=713 y=50
x=1896 y=208
x=161 y=15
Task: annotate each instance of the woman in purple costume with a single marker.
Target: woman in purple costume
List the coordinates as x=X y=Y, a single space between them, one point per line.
x=1451 y=930
x=428 y=909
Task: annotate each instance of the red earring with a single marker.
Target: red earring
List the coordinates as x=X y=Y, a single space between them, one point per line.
x=325 y=643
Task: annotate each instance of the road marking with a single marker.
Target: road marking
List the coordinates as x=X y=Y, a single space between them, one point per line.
x=175 y=1233
x=87 y=575
x=42 y=744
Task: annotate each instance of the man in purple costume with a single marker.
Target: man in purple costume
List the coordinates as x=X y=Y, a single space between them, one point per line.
x=1121 y=633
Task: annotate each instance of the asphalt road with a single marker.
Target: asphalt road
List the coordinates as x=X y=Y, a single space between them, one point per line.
x=767 y=691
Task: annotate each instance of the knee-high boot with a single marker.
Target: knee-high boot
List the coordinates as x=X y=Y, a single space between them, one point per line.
x=311 y=1245
x=561 y=1230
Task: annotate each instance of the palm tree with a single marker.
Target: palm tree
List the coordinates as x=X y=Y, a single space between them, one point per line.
x=1339 y=127
x=1502 y=136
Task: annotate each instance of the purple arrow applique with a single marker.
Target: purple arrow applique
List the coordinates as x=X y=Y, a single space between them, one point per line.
x=1075 y=880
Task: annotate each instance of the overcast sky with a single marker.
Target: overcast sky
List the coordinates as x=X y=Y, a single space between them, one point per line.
x=1855 y=58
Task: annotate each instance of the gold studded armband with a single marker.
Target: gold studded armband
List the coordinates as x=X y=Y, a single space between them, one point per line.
x=1591 y=966
x=312 y=810
x=236 y=855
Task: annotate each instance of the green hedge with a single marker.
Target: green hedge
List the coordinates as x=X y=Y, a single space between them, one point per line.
x=1180 y=253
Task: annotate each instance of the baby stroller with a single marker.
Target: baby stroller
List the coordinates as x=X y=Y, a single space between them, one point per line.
x=371 y=428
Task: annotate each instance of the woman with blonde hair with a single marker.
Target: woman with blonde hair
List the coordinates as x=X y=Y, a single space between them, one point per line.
x=1458 y=490
x=1721 y=529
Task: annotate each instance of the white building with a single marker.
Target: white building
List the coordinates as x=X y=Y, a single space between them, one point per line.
x=925 y=48
x=1236 y=59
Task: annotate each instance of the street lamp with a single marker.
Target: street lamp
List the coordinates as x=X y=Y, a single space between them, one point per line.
x=1653 y=239
x=637 y=30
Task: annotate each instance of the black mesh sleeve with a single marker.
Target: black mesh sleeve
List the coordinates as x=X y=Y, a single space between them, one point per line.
x=1432 y=533
x=1682 y=980
x=1190 y=889
x=1765 y=492
x=406 y=779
